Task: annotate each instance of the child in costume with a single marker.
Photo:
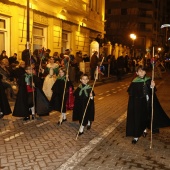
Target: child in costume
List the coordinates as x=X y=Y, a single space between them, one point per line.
x=30 y=97
x=58 y=90
x=51 y=71
x=82 y=94
x=139 y=107
x=4 y=104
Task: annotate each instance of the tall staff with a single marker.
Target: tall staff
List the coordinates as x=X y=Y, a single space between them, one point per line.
x=89 y=97
x=28 y=48
x=153 y=62
x=61 y=118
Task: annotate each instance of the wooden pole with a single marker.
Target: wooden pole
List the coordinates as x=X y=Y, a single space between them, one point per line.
x=153 y=62
x=89 y=99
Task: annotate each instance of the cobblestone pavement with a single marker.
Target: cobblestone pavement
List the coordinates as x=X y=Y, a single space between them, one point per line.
x=43 y=145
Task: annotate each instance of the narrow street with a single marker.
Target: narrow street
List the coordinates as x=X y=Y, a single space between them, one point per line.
x=43 y=145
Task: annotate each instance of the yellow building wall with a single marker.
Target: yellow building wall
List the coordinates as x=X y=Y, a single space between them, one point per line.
x=83 y=26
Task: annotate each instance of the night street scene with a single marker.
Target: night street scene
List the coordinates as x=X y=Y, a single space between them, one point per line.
x=84 y=85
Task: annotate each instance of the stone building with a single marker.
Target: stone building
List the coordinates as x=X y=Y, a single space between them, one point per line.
x=54 y=24
x=141 y=17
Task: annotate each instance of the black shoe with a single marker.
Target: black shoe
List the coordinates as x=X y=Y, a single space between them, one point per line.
x=81 y=133
x=134 y=141
x=26 y=118
x=64 y=120
x=33 y=117
x=88 y=127
x=59 y=123
x=155 y=131
x=1 y=115
x=144 y=134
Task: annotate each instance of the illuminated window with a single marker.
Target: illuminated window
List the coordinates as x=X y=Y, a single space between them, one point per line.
x=39 y=37
x=5 y=34
x=65 y=40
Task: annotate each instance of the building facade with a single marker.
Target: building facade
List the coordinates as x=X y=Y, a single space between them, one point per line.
x=54 y=24
x=140 y=17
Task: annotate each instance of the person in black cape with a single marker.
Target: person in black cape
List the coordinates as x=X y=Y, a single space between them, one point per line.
x=57 y=94
x=82 y=94
x=25 y=105
x=4 y=104
x=139 y=107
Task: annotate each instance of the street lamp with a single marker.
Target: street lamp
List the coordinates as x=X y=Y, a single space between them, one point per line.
x=133 y=37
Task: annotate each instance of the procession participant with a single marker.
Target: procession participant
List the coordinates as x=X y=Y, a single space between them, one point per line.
x=30 y=98
x=4 y=104
x=60 y=94
x=51 y=71
x=139 y=107
x=82 y=94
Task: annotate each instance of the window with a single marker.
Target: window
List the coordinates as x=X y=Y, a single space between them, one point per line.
x=109 y=11
x=65 y=40
x=39 y=37
x=5 y=34
x=124 y=11
x=2 y=23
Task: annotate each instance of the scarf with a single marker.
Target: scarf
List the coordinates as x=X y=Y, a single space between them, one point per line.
x=84 y=89
x=62 y=78
x=27 y=78
x=138 y=79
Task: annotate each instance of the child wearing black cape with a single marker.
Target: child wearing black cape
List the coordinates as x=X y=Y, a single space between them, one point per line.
x=4 y=104
x=139 y=107
x=30 y=97
x=58 y=92
x=82 y=94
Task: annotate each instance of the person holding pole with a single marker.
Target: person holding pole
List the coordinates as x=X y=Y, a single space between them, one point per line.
x=30 y=98
x=60 y=93
x=139 y=107
x=82 y=94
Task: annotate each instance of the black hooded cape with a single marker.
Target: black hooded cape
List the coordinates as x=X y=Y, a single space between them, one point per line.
x=80 y=103
x=4 y=104
x=21 y=108
x=139 y=110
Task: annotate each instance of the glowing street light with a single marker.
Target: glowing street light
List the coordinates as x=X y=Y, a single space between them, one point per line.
x=133 y=37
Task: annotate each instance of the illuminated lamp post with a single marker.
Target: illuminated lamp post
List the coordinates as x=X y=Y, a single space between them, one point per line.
x=133 y=37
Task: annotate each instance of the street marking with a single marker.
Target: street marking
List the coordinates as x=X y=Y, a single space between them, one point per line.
x=72 y=162
x=100 y=98
x=14 y=136
x=5 y=131
x=100 y=94
x=108 y=94
x=28 y=122
x=41 y=124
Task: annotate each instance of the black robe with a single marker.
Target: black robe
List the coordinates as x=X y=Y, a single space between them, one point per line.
x=57 y=95
x=80 y=103
x=21 y=108
x=139 y=110
x=4 y=104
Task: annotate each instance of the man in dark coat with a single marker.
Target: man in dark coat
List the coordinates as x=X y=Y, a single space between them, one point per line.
x=26 y=56
x=30 y=87
x=139 y=107
x=4 y=104
x=82 y=94
x=93 y=64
